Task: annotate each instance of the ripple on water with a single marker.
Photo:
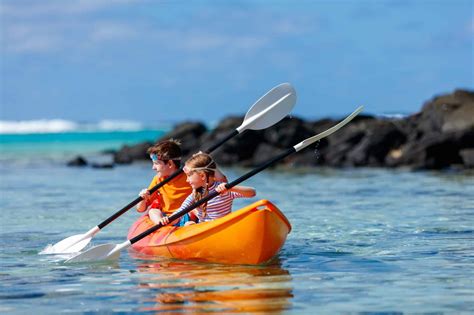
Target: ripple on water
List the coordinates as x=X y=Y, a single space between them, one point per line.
x=362 y=241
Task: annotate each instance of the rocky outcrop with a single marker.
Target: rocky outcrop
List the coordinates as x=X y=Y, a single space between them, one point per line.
x=188 y=133
x=441 y=135
x=78 y=161
x=437 y=136
x=127 y=154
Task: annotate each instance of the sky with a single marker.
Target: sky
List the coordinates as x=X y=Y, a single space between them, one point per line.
x=152 y=61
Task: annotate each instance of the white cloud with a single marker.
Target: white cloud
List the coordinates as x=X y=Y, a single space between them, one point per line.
x=207 y=40
x=25 y=37
x=50 y=26
x=33 y=9
x=109 y=31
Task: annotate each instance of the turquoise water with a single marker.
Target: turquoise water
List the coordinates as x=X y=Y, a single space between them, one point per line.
x=363 y=241
x=67 y=143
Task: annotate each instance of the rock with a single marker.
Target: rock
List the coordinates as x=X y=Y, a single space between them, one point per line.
x=441 y=135
x=189 y=134
x=77 y=161
x=437 y=134
x=238 y=150
x=287 y=133
x=339 y=145
x=448 y=113
x=434 y=151
x=263 y=152
x=467 y=156
x=103 y=165
x=128 y=154
x=380 y=137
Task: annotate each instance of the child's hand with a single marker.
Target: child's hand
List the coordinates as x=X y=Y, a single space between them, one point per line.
x=144 y=193
x=221 y=188
x=164 y=220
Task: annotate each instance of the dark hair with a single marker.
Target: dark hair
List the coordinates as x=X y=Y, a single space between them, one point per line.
x=167 y=150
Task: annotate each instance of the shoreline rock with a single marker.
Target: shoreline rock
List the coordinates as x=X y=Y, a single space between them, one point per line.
x=440 y=136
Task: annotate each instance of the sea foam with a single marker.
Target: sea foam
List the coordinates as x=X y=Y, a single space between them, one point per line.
x=62 y=126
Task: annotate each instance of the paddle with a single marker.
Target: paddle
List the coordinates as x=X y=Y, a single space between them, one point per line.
x=267 y=111
x=111 y=251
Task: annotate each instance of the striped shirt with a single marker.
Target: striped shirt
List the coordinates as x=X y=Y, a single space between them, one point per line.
x=217 y=207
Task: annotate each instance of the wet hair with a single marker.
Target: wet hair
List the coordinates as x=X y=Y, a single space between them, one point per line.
x=202 y=162
x=167 y=150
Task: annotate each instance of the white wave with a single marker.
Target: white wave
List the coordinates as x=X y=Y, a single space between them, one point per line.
x=393 y=115
x=62 y=126
x=37 y=126
x=119 y=125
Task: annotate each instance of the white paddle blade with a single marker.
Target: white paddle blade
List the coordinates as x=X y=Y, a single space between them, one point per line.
x=270 y=108
x=97 y=253
x=303 y=144
x=72 y=244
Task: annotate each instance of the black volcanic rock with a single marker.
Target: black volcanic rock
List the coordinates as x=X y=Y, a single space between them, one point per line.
x=380 y=137
x=77 y=161
x=128 y=154
x=238 y=150
x=467 y=156
x=437 y=135
x=441 y=135
x=189 y=134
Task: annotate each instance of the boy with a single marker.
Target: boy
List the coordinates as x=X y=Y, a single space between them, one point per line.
x=166 y=158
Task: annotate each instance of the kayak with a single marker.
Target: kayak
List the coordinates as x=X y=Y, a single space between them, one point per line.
x=251 y=235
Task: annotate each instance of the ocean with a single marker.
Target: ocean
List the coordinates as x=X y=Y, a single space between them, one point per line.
x=364 y=240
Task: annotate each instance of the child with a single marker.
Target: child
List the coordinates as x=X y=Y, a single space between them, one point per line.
x=166 y=158
x=200 y=170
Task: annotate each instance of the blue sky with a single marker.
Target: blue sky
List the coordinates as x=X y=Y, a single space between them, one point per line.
x=151 y=61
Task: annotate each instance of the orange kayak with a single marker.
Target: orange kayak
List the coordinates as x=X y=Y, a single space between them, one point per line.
x=251 y=235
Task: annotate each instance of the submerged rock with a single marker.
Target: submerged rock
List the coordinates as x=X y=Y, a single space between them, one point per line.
x=77 y=161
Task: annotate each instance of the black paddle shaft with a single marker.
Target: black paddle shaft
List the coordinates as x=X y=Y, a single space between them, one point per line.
x=214 y=193
x=222 y=141
x=162 y=183
x=138 y=199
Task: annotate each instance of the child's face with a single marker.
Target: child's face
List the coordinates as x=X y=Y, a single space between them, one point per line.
x=195 y=179
x=163 y=169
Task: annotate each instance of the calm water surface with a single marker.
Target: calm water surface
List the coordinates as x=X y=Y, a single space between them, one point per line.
x=363 y=240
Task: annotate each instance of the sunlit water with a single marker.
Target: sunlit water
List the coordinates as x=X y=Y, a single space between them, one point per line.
x=363 y=240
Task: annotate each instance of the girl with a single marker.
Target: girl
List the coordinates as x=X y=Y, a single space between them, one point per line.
x=200 y=170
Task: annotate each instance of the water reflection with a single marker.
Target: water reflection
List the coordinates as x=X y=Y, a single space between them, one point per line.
x=181 y=286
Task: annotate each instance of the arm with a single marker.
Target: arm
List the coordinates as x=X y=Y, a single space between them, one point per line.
x=142 y=205
x=247 y=192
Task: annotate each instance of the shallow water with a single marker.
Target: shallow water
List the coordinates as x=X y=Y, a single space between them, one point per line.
x=363 y=240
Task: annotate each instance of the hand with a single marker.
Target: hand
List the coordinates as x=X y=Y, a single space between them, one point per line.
x=164 y=220
x=221 y=188
x=144 y=193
